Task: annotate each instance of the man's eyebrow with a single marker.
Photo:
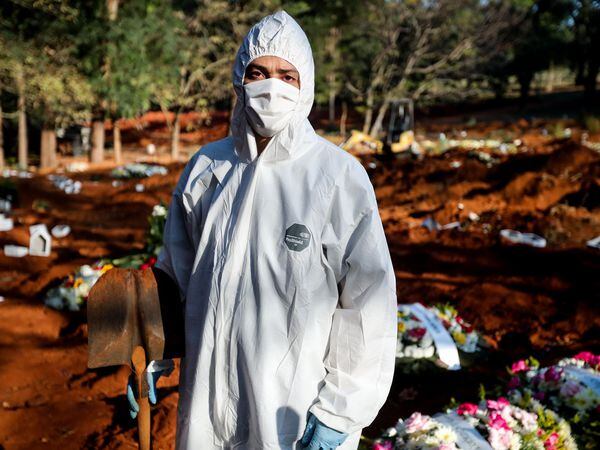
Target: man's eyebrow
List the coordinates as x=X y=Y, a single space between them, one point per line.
x=266 y=70
x=288 y=71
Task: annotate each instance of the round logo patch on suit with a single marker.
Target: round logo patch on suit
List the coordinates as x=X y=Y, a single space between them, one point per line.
x=297 y=237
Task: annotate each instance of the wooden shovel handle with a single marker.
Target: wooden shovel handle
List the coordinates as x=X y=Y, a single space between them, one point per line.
x=143 y=417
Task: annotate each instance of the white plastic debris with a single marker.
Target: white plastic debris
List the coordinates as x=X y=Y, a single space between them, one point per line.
x=455 y=164
x=2 y=298
x=451 y=225
x=431 y=224
x=139 y=188
x=372 y=165
x=6 y=224
x=65 y=184
x=5 y=205
x=516 y=237
x=61 y=231
x=15 y=251
x=460 y=206
x=594 y=243
x=473 y=217
x=151 y=149
x=40 y=241
x=77 y=166
x=116 y=183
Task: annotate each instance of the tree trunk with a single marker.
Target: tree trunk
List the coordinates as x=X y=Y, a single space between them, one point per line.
x=23 y=145
x=175 y=132
x=1 y=139
x=368 y=112
x=332 y=95
x=343 y=119
x=379 y=120
x=117 y=142
x=332 y=49
x=525 y=80
x=48 y=148
x=589 y=83
x=113 y=8
x=97 y=154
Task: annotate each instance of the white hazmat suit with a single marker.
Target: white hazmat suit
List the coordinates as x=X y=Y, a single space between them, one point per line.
x=282 y=262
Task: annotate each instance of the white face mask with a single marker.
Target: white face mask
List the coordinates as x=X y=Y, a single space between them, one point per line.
x=270 y=105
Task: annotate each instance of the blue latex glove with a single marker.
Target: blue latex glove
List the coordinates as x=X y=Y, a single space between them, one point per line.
x=319 y=436
x=132 y=392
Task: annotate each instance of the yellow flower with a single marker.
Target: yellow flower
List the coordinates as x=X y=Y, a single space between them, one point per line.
x=106 y=268
x=459 y=337
x=401 y=327
x=78 y=282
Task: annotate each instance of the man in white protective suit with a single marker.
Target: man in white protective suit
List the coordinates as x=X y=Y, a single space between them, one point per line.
x=276 y=245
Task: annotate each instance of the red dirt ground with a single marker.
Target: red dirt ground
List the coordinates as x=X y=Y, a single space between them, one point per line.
x=525 y=300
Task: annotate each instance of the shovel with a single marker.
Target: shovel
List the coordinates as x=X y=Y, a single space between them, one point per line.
x=125 y=327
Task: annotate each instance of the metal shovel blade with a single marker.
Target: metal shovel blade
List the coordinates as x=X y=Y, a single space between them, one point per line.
x=123 y=313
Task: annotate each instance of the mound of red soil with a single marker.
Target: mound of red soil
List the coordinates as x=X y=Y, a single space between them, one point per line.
x=524 y=300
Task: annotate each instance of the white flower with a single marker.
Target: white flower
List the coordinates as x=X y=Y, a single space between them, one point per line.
x=159 y=211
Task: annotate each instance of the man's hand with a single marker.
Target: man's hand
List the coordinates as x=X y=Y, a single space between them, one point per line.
x=154 y=371
x=319 y=436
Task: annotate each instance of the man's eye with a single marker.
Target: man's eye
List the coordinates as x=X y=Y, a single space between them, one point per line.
x=255 y=74
x=289 y=78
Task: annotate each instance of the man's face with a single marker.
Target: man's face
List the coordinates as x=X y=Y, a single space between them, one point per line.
x=272 y=67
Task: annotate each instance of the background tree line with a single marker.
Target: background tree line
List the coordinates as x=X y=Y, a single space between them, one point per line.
x=65 y=62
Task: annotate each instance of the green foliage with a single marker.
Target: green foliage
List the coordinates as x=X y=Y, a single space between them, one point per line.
x=592 y=123
x=178 y=54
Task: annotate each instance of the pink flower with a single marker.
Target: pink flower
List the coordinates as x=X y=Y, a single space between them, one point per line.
x=447 y=447
x=467 y=408
x=417 y=333
x=588 y=357
x=519 y=366
x=416 y=422
x=385 y=445
x=497 y=422
x=551 y=442
x=514 y=383
x=552 y=374
x=496 y=405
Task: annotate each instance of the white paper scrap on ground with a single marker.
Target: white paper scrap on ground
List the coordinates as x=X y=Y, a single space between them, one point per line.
x=6 y=224
x=15 y=251
x=451 y=225
x=584 y=376
x=40 y=241
x=446 y=348
x=517 y=237
x=594 y=243
x=60 y=231
x=139 y=188
x=467 y=437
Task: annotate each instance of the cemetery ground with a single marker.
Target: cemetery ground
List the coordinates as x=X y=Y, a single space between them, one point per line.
x=524 y=300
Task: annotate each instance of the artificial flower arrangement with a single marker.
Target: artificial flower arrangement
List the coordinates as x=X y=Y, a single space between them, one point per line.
x=416 y=340
x=571 y=388
x=72 y=293
x=490 y=424
x=138 y=170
